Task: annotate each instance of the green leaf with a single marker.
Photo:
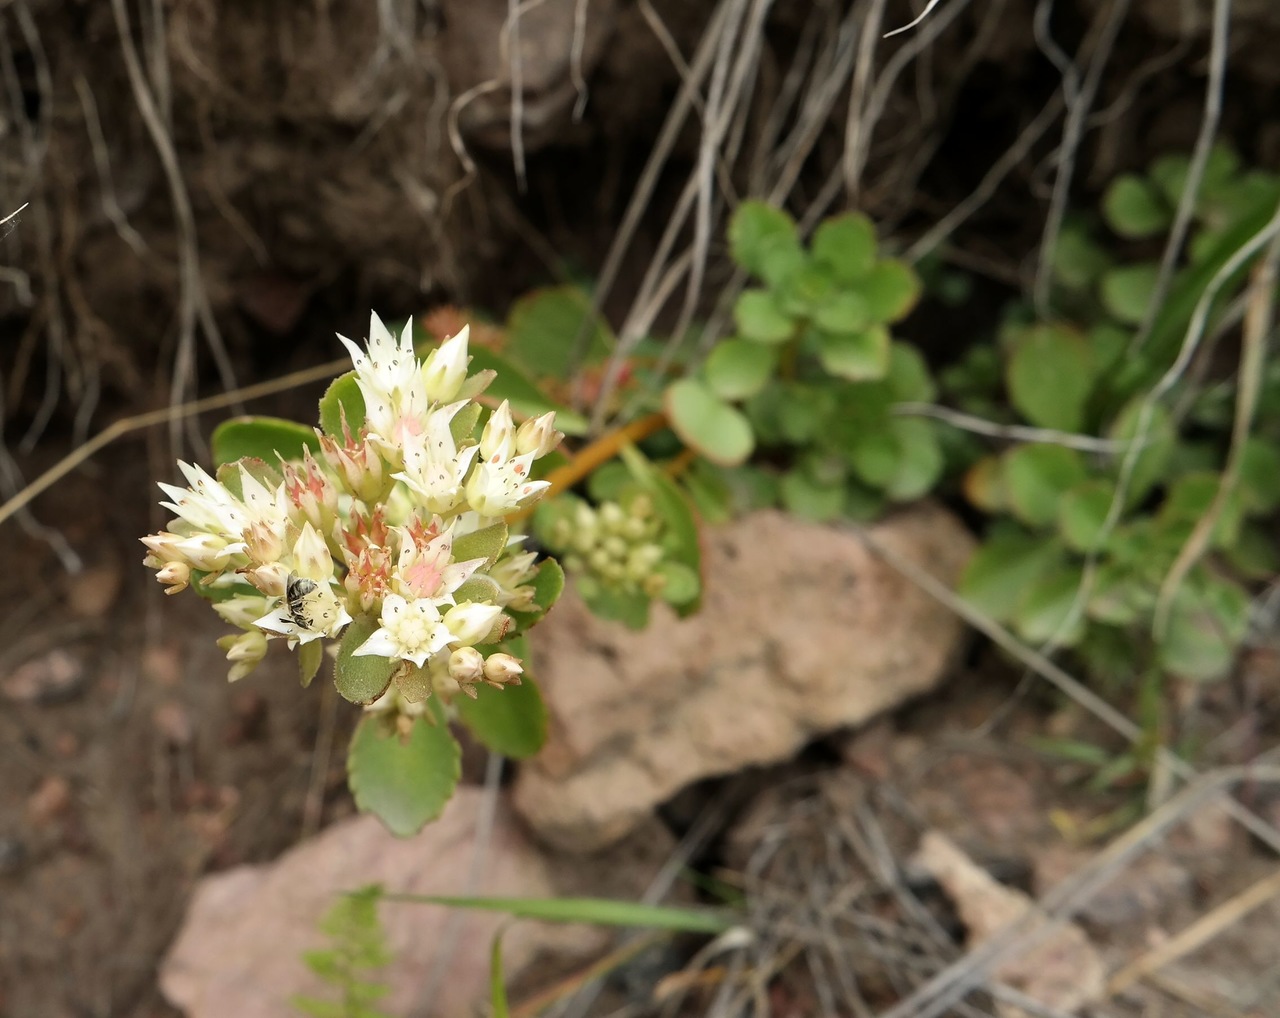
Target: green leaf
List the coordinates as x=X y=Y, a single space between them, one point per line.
x=487 y=544
x=463 y=426
x=1050 y=375
x=523 y=394
x=631 y=609
x=310 y=657
x=548 y=584
x=543 y=330
x=763 y=240
x=1117 y=597
x=681 y=585
x=365 y=678
x=844 y=311
x=1037 y=477
x=707 y=424
x=1127 y=290
x=812 y=499
x=739 y=368
x=1192 y=495
x=342 y=397
x=857 y=356
x=1259 y=481
x=1153 y=461
x=261 y=438
x=909 y=378
x=847 y=244
x=1082 y=512
x=1208 y=620
x=598 y=911
x=404 y=782
x=997 y=577
x=920 y=460
x=891 y=290
x=1133 y=207
x=1169 y=173
x=1078 y=260
x=1047 y=605
x=228 y=474
x=498 y=1007
x=511 y=721
x=759 y=317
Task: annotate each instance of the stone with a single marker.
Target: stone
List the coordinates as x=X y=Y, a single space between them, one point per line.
x=239 y=951
x=802 y=631
x=1062 y=971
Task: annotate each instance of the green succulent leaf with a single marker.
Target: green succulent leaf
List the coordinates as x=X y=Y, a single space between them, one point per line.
x=998 y=576
x=1082 y=512
x=1160 y=439
x=405 y=782
x=550 y=333
x=1208 y=620
x=310 y=657
x=763 y=241
x=844 y=312
x=708 y=424
x=856 y=356
x=261 y=438
x=1048 y=611
x=681 y=585
x=526 y=399
x=1078 y=260
x=759 y=317
x=1259 y=480
x=739 y=368
x=364 y=678
x=1050 y=376
x=909 y=378
x=487 y=544
x=1126 y=291
x=812 y=499
x=1037 y=477
x=847 y=245
x=342 y=397
x=1134 y=207
x=891 y=290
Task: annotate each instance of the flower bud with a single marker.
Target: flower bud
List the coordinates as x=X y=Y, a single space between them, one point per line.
x=311 y=555
x=538 y=435
x=612 y=517
x=244 y=651
x=242 y=610
x=264 y=544
x=502 y=670
x=470 y=622
x=445 y=368
x=270 y=579
x=496 y=439
x=466 y=666
x=175 y=576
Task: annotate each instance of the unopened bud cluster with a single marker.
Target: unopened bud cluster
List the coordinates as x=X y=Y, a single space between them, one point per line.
x=617 y=544
x=367 y=526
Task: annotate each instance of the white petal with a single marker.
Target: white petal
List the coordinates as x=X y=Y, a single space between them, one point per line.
x=279 y=621
x=380 y=644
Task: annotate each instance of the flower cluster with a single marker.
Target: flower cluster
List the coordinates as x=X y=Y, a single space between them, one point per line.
x=399 y=522
x=617 y=544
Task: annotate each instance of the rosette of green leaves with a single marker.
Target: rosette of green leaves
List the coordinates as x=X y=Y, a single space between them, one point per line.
x=809 y=379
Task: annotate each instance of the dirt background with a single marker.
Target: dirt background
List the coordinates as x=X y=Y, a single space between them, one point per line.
x=213 y=189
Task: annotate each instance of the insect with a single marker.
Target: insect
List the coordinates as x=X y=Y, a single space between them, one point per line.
x=309 y=604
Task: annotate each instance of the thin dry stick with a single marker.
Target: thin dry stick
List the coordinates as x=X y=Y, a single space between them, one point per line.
x=1067 y=897
x=1072 y=131
x=919 y=18
x=1195 y=171
x=139 y=422
x=1197 y=934
x=1011 y=432
x=1257 y=328
x=1058 y=676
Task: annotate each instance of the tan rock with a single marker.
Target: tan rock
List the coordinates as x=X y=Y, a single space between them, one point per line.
x=801 y=632
x=240 y=948
x=1061 y=971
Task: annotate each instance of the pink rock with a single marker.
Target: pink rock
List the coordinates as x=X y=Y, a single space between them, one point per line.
x=240 y=948
x=801 y=632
